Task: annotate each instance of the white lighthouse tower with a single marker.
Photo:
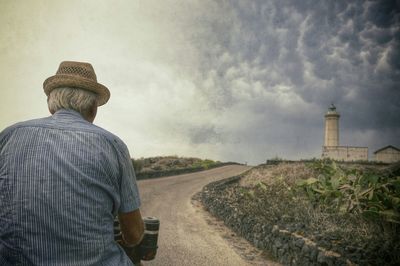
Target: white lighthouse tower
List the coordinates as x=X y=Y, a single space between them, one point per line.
x=331 y=148
x=332 y=127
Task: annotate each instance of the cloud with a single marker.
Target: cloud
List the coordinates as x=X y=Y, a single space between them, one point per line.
x=278 y=59
x=229 y=80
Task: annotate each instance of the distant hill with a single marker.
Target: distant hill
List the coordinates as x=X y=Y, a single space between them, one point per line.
x=171 y=165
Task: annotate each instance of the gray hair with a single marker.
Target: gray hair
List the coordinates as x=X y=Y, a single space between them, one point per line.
x=76 y=99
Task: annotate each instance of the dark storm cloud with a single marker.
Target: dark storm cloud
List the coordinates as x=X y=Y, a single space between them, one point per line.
x=278 y=59
x=240 y=80
x=383 y=13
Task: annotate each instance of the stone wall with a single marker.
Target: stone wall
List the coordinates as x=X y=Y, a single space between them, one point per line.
x=345 y=153
x=288 y=247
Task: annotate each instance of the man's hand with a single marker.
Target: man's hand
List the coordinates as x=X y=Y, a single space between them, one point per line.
x=132 y=229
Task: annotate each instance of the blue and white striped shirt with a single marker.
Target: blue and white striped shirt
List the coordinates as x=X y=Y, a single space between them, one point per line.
x=62 y=181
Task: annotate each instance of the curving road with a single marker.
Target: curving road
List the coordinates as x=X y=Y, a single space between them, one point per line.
x=185 y=237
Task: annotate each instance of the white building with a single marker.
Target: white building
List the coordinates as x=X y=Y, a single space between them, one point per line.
x=388 y=154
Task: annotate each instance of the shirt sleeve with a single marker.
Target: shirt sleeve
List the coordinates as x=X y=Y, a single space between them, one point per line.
x=129 y=192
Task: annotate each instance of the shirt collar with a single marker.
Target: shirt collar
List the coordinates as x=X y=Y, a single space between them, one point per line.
x=67 y=113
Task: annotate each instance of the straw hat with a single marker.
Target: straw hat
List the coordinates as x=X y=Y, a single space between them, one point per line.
x=77 y=75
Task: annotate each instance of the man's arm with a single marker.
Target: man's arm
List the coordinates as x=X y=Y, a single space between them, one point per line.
x=132 y=227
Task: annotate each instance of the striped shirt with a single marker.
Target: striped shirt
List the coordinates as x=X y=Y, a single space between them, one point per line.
x=62 y=181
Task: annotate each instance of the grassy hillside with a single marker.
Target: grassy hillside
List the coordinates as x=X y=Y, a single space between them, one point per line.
x=171 y=165
x=353 y=210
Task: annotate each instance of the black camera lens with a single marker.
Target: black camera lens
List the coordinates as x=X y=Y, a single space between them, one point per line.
x=148 y=246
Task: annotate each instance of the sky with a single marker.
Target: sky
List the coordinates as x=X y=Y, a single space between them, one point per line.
x=237 y=80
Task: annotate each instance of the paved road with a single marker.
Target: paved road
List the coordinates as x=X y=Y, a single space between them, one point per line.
x=185 y=237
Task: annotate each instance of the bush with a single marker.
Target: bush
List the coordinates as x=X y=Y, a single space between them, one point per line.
x=171 y=165
x=368 y=193
x=138 y=164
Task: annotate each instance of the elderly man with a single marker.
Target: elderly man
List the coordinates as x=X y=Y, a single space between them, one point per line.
x=63 y=180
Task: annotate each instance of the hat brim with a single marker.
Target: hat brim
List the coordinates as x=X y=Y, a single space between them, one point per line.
x=61 y=80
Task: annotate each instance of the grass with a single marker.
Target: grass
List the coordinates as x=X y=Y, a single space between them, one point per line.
x=166 y=163
x=271 y=193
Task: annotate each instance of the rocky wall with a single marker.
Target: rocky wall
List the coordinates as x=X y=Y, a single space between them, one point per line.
x=289 y=248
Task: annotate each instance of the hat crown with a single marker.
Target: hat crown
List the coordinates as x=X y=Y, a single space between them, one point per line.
x=84 y=70
x=77 y=75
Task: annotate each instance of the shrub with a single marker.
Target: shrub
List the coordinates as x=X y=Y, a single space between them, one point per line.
x=372 y=195
x=138 y=164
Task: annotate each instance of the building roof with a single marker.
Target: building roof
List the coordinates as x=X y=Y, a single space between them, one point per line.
x=386 y=147
x=347 y=146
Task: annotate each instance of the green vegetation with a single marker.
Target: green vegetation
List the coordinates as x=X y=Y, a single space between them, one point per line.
x=368 y=193
x=348 y=208
x=205 y=164
x=170 y=165
x=138 y=164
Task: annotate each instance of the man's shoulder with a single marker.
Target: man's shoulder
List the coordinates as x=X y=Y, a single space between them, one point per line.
x=48 y=122
x=107 y=135
x=27 y=123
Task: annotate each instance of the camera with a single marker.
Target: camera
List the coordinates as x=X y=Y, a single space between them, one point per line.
x=148 y=246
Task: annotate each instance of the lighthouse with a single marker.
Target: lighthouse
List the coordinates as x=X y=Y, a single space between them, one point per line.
x=331 y=148
x=332 y=127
